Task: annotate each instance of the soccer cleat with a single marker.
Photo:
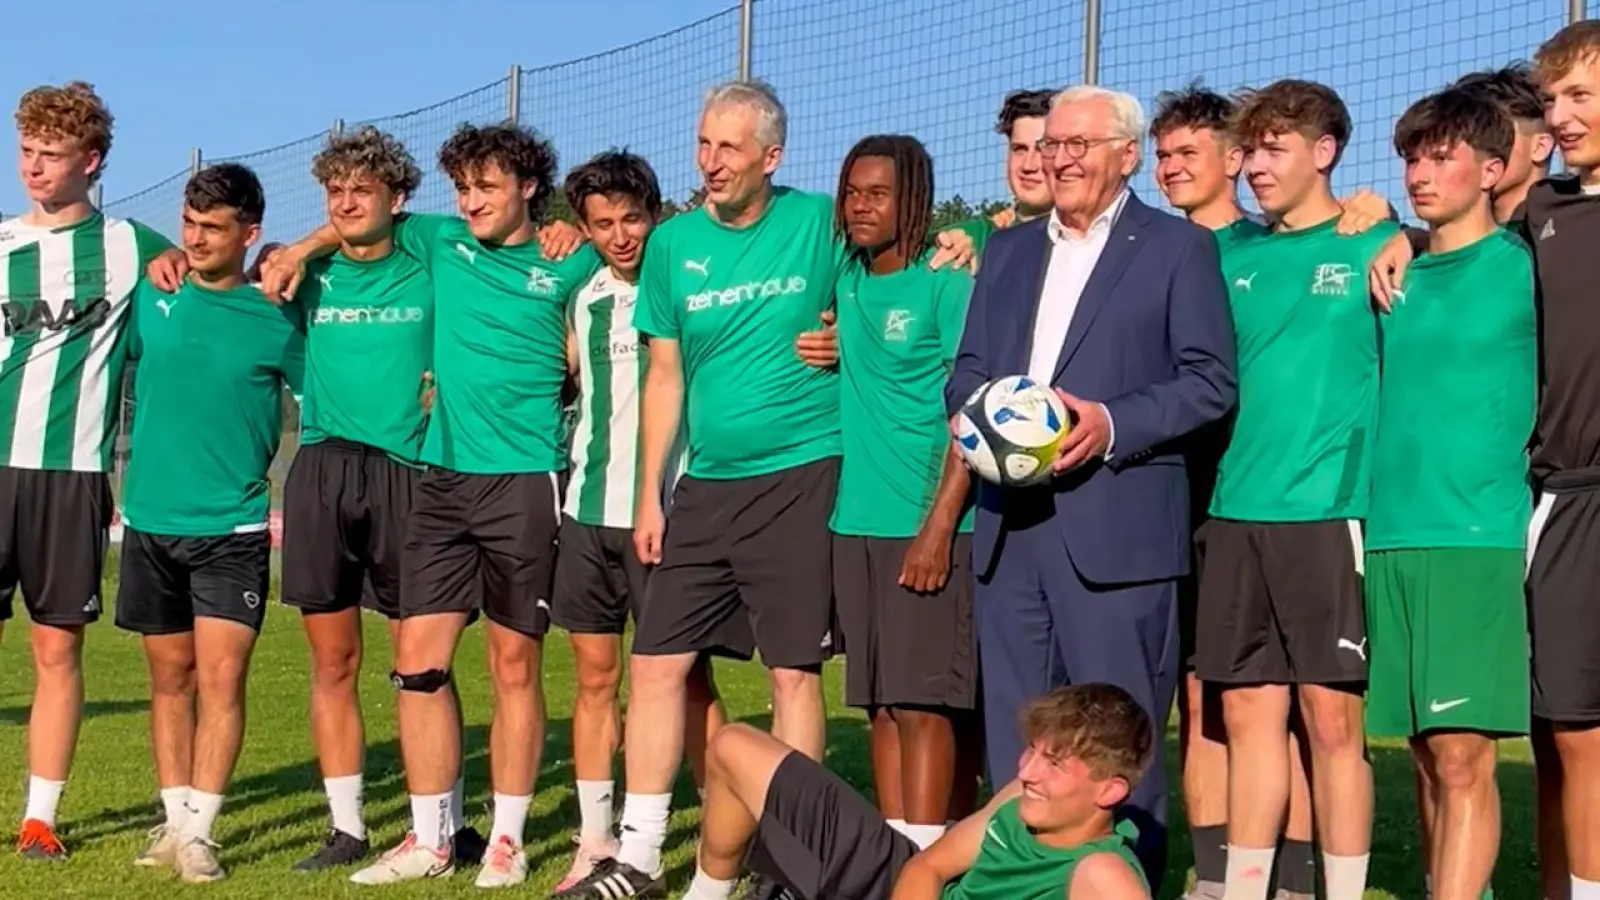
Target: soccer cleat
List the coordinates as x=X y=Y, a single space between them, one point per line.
x=469 y=846
x=339 y=849
x=38 y=841
x=614 y=880
x=197 y=862
x=162 y=852
x=584 y=858
x=504 y=865
x=407 y=862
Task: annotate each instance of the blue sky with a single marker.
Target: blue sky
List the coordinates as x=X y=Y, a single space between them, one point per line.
x=845 y=68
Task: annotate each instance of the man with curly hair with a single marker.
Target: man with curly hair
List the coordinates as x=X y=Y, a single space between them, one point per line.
x=66 y=275
x=481 y=536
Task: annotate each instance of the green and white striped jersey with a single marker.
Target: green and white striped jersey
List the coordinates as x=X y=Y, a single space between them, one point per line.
x=65 y=295
x=611 y=368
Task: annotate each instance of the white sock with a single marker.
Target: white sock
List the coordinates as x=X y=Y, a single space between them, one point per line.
x=344 y=804
x=898 y=825
x=594 y=810
x=1345 y=877
x=44 y=796
x=1427 y=883
x=923 y=835
x=430 y=820
x=1585 y=890
x=458 y=804
x=1249 y=871
x=172 y=801
x=704 y=887
x=510 y=817
x=644 y=830
x=200 y=813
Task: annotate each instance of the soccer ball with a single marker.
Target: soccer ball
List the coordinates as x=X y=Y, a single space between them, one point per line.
x=1009 y=431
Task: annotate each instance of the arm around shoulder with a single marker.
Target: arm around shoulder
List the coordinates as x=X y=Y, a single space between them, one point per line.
x=971 y=366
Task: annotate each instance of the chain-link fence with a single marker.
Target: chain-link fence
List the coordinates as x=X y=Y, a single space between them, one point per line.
x=936 y=69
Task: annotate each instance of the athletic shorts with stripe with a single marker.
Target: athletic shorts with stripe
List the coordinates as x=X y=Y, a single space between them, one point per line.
x=903 y=648
x=747 y=565
x=599 y=579
x=1449 y=641
x=1281 y=603
x=54 y=530
x=167 y=582
x=344 y=526
x=482 y=543
x=1563 y=566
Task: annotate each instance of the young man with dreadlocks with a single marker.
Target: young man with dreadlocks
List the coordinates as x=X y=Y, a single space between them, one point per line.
x=902 y=533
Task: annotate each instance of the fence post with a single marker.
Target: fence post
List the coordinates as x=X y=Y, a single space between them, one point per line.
x=338 y=127
x=1575 y=10
x=1091 y=41
x=514 y=94
x=96 y=194
x=746 y=37
x=194 y=162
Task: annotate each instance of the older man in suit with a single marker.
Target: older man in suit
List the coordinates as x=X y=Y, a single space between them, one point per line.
x=1124 y=311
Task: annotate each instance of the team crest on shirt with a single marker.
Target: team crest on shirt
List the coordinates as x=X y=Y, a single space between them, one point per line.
x=1332 y=280
x=541 y=282
x=897 y=325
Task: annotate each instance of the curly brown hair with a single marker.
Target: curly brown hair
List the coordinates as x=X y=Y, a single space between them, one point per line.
x=1100 y=724
x=368 y=150
x=72 y=112
x=518 y=151
x=1306 y=108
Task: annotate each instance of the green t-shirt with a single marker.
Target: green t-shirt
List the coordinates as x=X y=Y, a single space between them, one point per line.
x=735 y=299
x=1240 y=231
x=898 y=336
x=1457 y=402
x=499 y=348
x=369 y=339
x=1307 y=341
x=1013 y=865
x=211 y=368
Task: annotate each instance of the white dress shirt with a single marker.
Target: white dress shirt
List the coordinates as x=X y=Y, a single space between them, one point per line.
x=1072 y=261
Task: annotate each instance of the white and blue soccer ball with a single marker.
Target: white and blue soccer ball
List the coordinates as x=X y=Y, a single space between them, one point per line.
x=1010 y=430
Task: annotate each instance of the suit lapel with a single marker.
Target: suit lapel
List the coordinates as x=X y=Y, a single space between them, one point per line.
x=1033 y=260
x=1122 y=245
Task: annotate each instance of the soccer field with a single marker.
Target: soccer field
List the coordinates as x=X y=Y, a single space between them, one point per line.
x=275 y=813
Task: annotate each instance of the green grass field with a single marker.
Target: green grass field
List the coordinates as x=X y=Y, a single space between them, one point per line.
x=275 y=813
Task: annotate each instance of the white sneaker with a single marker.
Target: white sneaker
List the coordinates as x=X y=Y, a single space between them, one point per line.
x=583 y=859
x=504 y=864
x=162 y=853
x=408 y=862
x=197 y=862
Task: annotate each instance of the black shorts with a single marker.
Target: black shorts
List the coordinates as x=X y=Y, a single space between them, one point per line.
x=600 y=581
x=1563 y=599
x=1281 y=603
x=903 y=648
x=482 y=543
x=168 y=582
x=344 y=525
x=747 y=565
x=822 y=840
x=54 y=528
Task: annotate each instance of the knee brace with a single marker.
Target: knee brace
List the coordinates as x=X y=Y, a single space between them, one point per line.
x=428 y=682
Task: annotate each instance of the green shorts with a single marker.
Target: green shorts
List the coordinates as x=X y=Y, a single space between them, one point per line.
x=1449 y=642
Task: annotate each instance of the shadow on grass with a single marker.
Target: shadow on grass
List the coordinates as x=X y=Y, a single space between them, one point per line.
x=18 y=715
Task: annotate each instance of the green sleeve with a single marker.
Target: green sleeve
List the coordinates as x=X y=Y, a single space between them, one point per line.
x=150 y=242
x=292 y=360
x=576 y=270
x=417 y=234
x=134 y=344
x=656 y=315
x=955 y=292
x=979 y=228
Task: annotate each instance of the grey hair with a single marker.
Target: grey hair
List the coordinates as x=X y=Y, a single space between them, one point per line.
x=1127 y=114
x=772 y=126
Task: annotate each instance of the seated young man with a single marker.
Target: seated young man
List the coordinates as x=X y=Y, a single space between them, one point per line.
x=1050 y=833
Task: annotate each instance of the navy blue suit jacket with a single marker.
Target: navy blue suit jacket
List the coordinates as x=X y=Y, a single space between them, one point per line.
x=1152 y=339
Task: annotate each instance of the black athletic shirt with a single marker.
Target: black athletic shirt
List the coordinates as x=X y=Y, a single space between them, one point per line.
x=1562 y=225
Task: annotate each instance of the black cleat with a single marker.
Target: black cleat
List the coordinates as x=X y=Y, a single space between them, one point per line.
x=469 y=846
x=613 y=880
x=340 y=849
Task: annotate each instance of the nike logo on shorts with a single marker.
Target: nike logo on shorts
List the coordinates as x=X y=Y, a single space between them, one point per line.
x=1437 y=707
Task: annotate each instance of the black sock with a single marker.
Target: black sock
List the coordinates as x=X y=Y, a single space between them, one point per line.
x=1297 y=867
x=1210 y=844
